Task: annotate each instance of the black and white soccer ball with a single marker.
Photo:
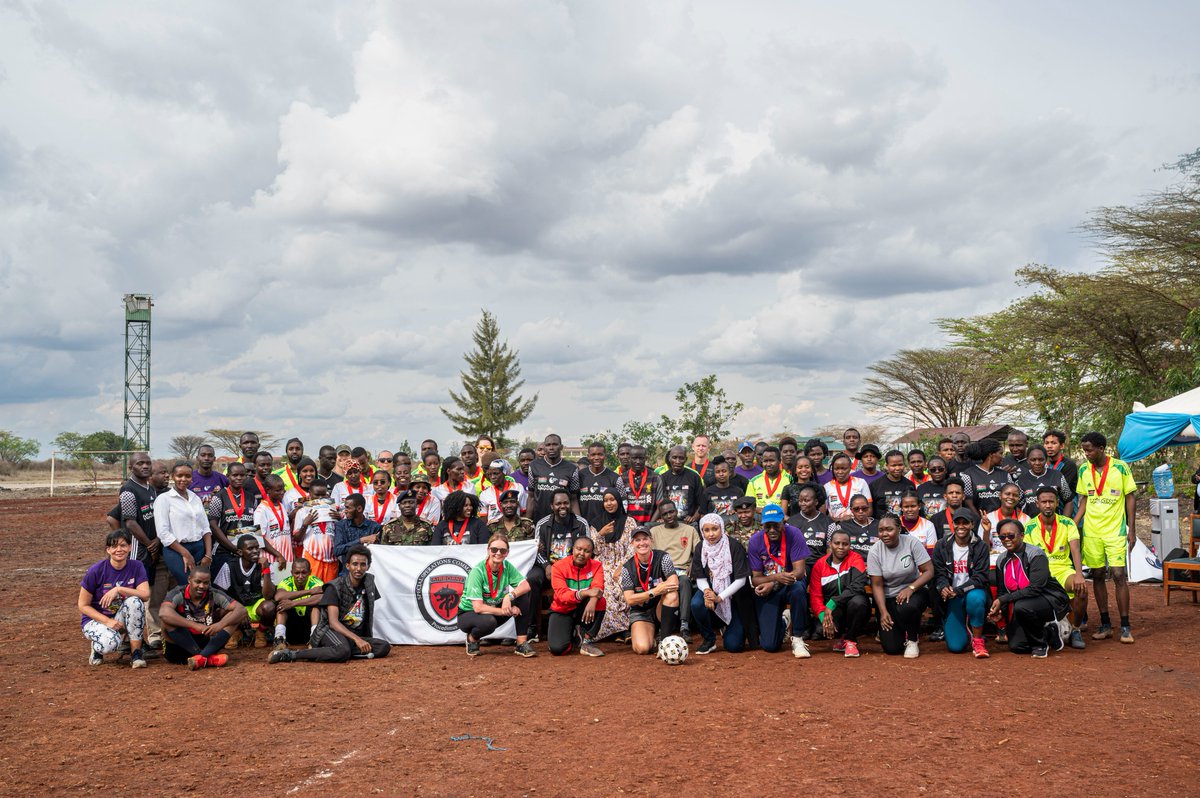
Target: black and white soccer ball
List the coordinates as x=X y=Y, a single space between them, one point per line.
x=673 y=650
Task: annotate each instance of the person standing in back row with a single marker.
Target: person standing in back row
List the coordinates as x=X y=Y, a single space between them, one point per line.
x=548 y=474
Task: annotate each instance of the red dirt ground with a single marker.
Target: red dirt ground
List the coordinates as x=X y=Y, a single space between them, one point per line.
x=1111 y=721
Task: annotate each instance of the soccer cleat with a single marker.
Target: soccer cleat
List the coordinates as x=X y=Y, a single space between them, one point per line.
x=1077 y=639
x=217 y=660
x=197 y=662
x=839 y=644
x=1126 y=635
x=707 y=647
x=1103 y=633
x=95 y=658
x=472 y=648
x=911 y=649
x=979 y=648
x=525 y=650
x=590 y=649
x=280 y=644
x=851 y=649
x=1040 y=652
x=136 y=659
x=281 y=655
x=800 y=648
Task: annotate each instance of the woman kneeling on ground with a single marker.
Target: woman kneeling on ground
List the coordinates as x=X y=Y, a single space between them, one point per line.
x=960 y=564
x=495 y=591
x=899 y=567
x=112 y=599
x=578 y=603
x=1027 y=596
x=652 y=592
x=724 y=598
x=837 y=589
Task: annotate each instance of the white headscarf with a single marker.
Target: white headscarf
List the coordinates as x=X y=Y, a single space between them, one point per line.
x=717 y=559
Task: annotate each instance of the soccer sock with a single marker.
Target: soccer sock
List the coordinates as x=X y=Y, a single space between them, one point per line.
x=670 y=621
x=280 y=631
x=1124 y=620
x=1105 y=619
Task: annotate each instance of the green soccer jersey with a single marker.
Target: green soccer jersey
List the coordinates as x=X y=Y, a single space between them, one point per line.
x=1105 y=489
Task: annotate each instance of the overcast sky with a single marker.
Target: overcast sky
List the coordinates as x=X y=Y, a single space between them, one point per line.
x=322 y=196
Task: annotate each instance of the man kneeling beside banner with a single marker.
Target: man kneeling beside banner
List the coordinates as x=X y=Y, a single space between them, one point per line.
x=420 y=587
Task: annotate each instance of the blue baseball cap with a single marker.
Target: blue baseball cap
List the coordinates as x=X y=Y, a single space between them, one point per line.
x=772 y=513
x=745 y=445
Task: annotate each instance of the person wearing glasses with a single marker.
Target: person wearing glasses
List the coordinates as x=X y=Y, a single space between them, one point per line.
x=1027 y=596
x=577 y=608
x=862 y=527
x=495 y=591
x=384 y=460
x=484 y=444
x=932 y=490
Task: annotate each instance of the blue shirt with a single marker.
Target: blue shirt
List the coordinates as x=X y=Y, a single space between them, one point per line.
x=346 y=535
x=756 y=552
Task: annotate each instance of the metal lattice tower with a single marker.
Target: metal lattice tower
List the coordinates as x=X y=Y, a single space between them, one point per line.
x=137 y=372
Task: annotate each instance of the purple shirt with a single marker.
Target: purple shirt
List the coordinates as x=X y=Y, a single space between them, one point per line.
x=204 y=486
x=756 y=552
x=868 y=478
x=102 y=577
x=824 y=477
x=520 y=478
x=748 y=473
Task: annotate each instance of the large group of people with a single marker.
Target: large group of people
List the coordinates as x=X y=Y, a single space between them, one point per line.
x=763 y=546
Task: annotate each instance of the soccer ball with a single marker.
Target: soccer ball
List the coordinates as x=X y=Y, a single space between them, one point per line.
x=673 y=650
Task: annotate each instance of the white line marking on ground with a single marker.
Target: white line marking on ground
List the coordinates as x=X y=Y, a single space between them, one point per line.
x=320 y=775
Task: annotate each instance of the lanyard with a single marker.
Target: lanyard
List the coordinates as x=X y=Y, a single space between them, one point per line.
x=276 y=511
x=637 y=568
x=291 y=475
x=351 y=489
x=380 y=512
x=637 y=492
x=1103 y=477
x=1053 y=532
x=782 y=558
x=237 y=508
x=458 y=539
x=303 y=493
x=703 y=468
x=845 y=500
x=767 y=483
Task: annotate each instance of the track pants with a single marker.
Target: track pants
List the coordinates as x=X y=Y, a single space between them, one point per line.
x=851 y=618
x=183 y=643
x=479 y=626
x=561 y=632
x=1027 y=624
x=332 y=647
x=906 y=623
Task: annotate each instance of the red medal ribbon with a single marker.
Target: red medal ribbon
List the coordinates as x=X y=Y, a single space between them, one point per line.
x=276 y=511
x=461 y=532
x=303 y=493
x=703 y=468
x=351 y=489
x=237 y=508
x=421 y=507
x=637 y=492
x=494 y=591
x=782 y=549
x=637 y=569
x=381 y=511
x=1053 y=531
x=845 y=500
x=291 y=475
x=767 y=482
x=1103 y=477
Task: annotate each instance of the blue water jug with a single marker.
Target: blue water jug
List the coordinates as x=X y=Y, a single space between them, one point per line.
x=1164 y=481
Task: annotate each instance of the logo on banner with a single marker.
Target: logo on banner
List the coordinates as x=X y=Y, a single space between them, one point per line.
x=439 y=588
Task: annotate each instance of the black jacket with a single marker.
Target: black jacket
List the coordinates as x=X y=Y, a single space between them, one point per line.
x=1037 y=569
x=979 y=560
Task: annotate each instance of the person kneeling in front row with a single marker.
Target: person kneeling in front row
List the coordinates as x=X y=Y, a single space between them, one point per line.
x=1027 y=596
x=197 y=620
x=578 y=604
x=651 y=589
x=495 y=591
x=112 y=600
x=348 y=608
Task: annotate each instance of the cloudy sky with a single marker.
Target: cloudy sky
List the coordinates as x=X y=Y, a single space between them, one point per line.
x=321 y=197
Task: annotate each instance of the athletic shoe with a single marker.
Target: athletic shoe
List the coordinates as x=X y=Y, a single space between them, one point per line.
x=260 y=639
x=707 y=647
x=1054 y=639
x=95 y=658
x=533 y=638
x=525 y=650
x=1040 y=652
x=1077 y=639
x=937 y=635
x=800 y=648
x=1126 y=635
x=1103 y=633
x=839 y=644
x=685 y=631
x=979 y=648
x=1002 y=637
x=281 y=655
x=218 y=660
x=280 y=643
x=197 y=662
x=136 y=660
x=154 y=641
x=911 y=649
x=472 y=648
x=851 y=649
x=590 y=649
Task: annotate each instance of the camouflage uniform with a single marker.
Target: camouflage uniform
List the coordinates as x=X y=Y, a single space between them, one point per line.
x=395 y=533
x=522 y=531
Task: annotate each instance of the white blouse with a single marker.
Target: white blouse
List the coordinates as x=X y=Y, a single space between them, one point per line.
x=180 y=518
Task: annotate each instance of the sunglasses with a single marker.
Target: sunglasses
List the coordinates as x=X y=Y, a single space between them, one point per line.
x=484 y=448
x=495 y=550
x=1007 y=536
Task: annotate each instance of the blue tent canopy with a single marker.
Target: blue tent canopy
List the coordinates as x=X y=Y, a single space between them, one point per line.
x=1173 y=422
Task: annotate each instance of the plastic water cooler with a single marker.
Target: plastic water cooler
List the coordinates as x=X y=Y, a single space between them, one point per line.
x=1164 y=525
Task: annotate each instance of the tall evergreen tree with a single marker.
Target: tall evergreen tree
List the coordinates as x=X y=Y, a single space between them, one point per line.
x=489 y=404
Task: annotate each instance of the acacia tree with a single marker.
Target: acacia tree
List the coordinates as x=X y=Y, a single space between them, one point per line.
x=936 y=388
x=186 y=447
x=488 y=403
x=227 y=439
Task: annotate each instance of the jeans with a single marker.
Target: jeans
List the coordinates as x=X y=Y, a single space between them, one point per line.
x=174 y=560
x=969 y=609
x=906 y=623
x=132 y=616
x=734 y=637
x=769 y=609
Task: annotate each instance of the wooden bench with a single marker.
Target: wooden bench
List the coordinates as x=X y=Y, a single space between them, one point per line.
x=1188 y=569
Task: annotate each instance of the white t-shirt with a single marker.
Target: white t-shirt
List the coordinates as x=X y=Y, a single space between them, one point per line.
x=962 y=564
x=925 y=532
x=491 y=502
x=387 y=509
x=342 y=490
x=839 y=510
x=994 y=541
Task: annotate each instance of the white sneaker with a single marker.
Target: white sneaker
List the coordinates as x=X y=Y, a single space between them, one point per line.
x=95 y=657
x=911 y=650
x=800 y=648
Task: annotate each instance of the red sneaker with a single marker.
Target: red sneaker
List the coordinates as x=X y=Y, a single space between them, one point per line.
x=197 y=662
x=839 y=644
x=218 y=660
x=979 y=648
x=851 y=649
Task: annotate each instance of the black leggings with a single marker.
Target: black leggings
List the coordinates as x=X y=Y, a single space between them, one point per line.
x=562 y=625
x=332 y=647
x=906 y=623
x=851 y=617
x=1027 y=624
x=537 y=580
x=478 y=626
x=183 y=643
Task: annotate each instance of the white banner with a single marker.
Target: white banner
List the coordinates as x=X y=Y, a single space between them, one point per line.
x=420 y=587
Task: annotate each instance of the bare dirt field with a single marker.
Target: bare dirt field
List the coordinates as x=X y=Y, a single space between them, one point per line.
x=1111 y=721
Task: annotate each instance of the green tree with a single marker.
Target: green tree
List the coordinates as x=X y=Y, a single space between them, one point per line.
x=704 y=409
x=489 y=403
x=227 y=439
x=74 y=446
x=937 y=388
x=102 y=441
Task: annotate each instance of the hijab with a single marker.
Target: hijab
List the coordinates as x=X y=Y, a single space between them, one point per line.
x=617 y=518
x=719 y=562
